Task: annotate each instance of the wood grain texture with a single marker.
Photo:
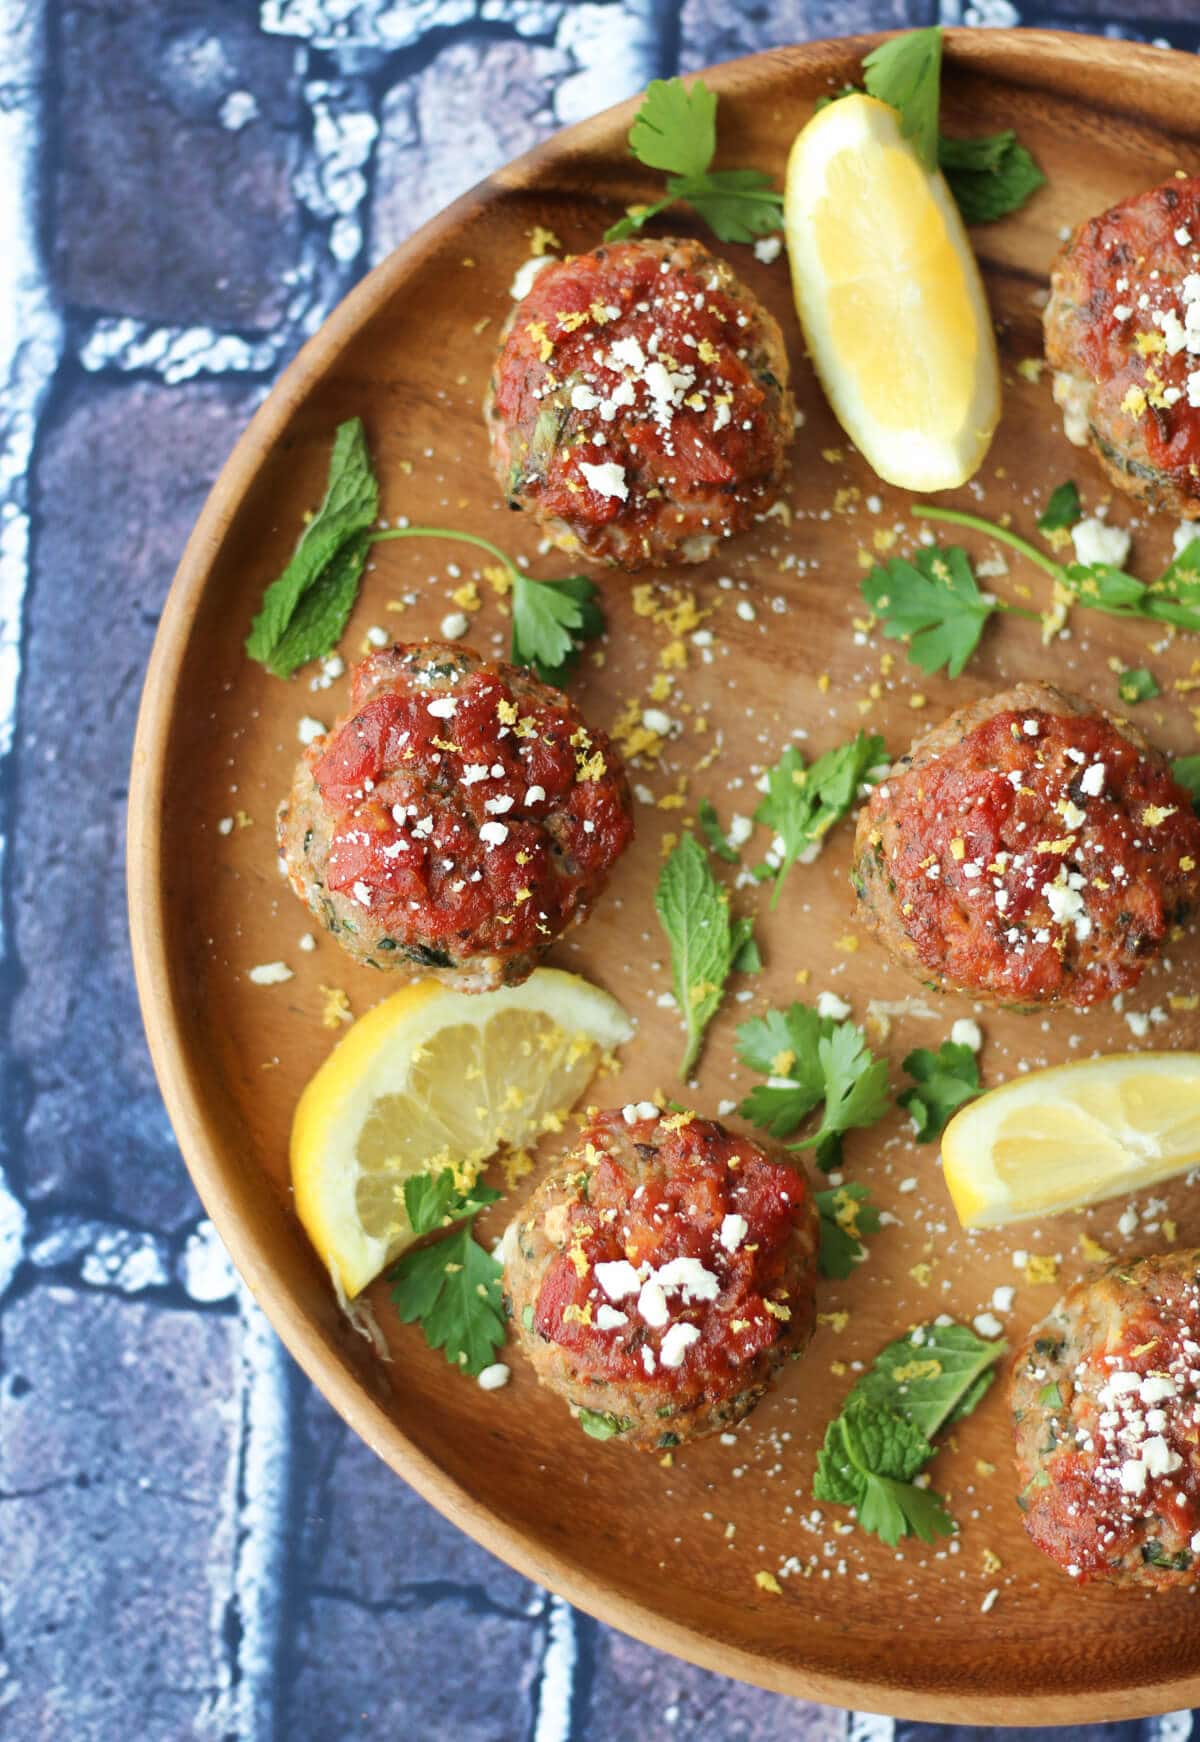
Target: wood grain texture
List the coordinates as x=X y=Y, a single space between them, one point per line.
x=643 y=1547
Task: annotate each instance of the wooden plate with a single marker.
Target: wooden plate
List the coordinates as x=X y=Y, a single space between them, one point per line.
x=670 y=1554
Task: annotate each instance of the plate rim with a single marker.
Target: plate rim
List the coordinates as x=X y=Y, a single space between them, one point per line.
x=158 y=993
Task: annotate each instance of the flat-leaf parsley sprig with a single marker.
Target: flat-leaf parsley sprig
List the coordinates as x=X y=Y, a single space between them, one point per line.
x=942 y=1082
x=808 y=1059
x=305 y=610
x=804 y=801
x=452 y=1287
x=706 y=943
x=988 y=176
x=933 y=602
x=675 y=130
x=882 y=1438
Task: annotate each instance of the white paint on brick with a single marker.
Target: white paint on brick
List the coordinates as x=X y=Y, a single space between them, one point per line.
x=12 y=1235
x=1170 y=1727
x=866 y=1727
x=556 y=1674
x=205 y=1269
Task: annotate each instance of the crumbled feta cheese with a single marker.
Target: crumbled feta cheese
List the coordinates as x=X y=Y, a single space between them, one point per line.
x=829 y=1004
x=493 y=834
x=987 y=1324
x=1097 y=542
x=618 y=1278
x=378 y=636
x=455 y=625
x=967 y=1032
x=734 y=1229
x=307 y=942
x=676 y=1343
x=768 y=249
x=607 y=479
x=309 y=730
x=525 y=274
x=493 y=1377
x=655 y=720
x=270 y=974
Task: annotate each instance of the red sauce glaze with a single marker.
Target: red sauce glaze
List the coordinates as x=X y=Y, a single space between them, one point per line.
x=699 y=1174
x=973 y=855
x=431 y=874
x=1084 y=1519
x=1126 y=246
x=675 y=317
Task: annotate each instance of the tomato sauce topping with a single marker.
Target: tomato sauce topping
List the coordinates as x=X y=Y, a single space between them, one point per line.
x=1134 y=1455
x=1042 y=857
x=638 y=381
x=682 y=1270
x=481 y=809
x=1138 y=288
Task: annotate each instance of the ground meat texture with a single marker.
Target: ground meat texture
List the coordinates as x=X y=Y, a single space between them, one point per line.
x=661 y=1275
x=1029 y=851
x=639 y=406
x=1123 y=332
x=456 y=820
x=1106 y=1416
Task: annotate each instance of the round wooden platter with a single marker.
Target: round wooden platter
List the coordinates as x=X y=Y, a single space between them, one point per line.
x=670 y=1554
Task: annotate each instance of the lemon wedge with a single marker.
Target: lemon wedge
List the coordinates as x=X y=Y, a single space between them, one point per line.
x=1072 y=1135
x=890 y=298
x=429 y=1079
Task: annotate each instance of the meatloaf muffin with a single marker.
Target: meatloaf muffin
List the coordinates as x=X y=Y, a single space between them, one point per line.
x=456 y=820
x=1029 y=851
x=1106 y=1415
x=1123 y=335
x=639 y=406
x=659 y=1277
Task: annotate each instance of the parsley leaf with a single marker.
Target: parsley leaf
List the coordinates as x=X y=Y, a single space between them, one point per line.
x=803 y=803
x=1063 y=509
x=1186 y=770
x=710 y=828
x=1138 y=684
x=675 y=130
x=304 y=611
x=549 y=621
x=882 y=1438
x=676 y=127
x=1173 y=598
x=693 y=911
x=808 y=1059
x=989 y=177
x=846 y=1215
x=944 y=1081
x=433 y=1200
x=452 y=1290
x=906 y=74
x=934 y=603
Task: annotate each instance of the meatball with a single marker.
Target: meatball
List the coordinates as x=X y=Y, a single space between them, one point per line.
x=639 y=406
x=1122 y=326
x=456 y=820
x=1106 y=1417
x=659 y=1277
x=1029 y=851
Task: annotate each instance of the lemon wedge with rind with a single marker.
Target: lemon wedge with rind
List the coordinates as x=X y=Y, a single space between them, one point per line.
x=1073 y=1135
x=890 y=298
x=429 y=1079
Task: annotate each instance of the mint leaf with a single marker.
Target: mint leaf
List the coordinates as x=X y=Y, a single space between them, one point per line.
x=934 y=603
x=1138 y=684
x=693 y=911
x=944 y=1081
x=713 y=833
x=803 y=803
x=868 y=1461
x=433 y=1200
x=746 y=958
x=1063 y=509
x=452 y=1290
x=906 y=74
x=846 y=1215
x=990 y=176
x=550 y=619
x=304 y=611
x=933 y=1376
